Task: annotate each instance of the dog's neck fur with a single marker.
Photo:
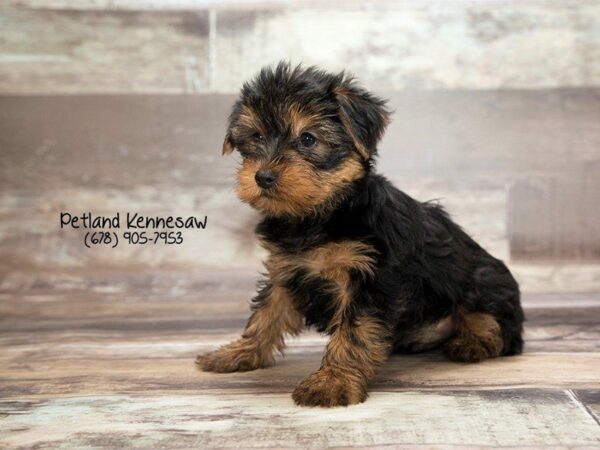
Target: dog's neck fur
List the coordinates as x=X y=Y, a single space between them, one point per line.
x=296 y=234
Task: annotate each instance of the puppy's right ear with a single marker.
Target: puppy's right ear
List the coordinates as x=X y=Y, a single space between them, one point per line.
x=228 y=146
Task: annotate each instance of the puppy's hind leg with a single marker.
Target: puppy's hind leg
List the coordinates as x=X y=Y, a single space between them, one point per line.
x=490 y=322
x=478 y=337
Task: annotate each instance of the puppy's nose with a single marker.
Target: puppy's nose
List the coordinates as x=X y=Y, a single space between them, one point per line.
x=265 y=178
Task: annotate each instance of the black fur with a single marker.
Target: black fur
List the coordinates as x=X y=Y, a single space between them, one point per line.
x=427 y=266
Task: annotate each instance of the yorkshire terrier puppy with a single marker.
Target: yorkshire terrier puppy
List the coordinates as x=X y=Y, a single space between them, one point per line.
x=350 y=254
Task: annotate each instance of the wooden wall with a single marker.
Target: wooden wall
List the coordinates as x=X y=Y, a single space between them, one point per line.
x=182 y=46
x=497 y=106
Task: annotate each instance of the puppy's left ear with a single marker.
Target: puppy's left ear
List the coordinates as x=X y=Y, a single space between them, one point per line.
x=364 y=116
x=228 y=146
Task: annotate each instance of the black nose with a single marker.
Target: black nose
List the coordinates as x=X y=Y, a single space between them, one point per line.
x=265 y=178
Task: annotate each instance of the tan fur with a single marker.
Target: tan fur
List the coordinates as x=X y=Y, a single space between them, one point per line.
x=301 y=121
x=249 y=119
x=430 y=336
x=332 y=261
x=477 y=338
x=227 y=145
x=353 y=355
x=336 y=258
x=300 y=190
x=329 y=261
x=264 y=334
x=247 y=189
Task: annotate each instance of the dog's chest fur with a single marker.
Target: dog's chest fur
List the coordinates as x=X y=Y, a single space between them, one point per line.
x=321 y=277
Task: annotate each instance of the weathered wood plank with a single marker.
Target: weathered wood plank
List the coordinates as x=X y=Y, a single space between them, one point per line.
x=552 y=218
x=106 y=359
x=156 y=284
x=129 y=141
x=47 y=51
x=157 y=324
x=77 y=294
x=591 y=401
x=82 y=46
x=560 y=276
x=149 y=305
x=104 y=373
x=492 y=418
x=434 y=137
x=232 y=4
x=160 y=154
x=426 y=44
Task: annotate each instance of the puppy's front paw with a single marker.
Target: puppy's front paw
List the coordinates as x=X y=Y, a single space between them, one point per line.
x=327 y=388
x=239 y=356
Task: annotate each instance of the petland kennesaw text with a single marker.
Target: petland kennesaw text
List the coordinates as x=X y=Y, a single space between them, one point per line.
x=133 y=220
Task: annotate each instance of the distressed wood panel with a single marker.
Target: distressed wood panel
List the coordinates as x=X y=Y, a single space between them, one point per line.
x=51 y=295
x=161 y=317
x=393 y=45
x=74 y=334
x=247 y=4
x=553 y=218
x=557 y=276
x=188 y=292
x=176 y=337
x=528 y=417
x=163 y=374
x=113 y=142
x=458 y=136
x=160 y=155
x=591 y=400
x=105 y=359
x=427 y=44
x=47 y=51
x=548 y=330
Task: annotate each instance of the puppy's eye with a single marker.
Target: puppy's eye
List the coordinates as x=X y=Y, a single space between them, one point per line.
x=308 y=140
x=259 y=137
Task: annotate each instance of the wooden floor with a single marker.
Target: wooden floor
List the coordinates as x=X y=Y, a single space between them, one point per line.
x=106 y=360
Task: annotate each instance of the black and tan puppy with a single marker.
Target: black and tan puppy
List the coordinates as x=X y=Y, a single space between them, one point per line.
x=349 y=253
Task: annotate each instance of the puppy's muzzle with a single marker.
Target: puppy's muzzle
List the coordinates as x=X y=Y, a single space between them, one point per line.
x=265 y=178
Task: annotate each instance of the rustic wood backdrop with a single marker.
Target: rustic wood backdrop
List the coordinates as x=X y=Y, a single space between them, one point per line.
x=496 y=105
x=120 y=105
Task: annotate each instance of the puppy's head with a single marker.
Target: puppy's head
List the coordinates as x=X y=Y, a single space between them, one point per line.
x=305 y=136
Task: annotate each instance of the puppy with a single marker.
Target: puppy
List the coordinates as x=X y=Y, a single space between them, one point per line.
x=349 y=254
